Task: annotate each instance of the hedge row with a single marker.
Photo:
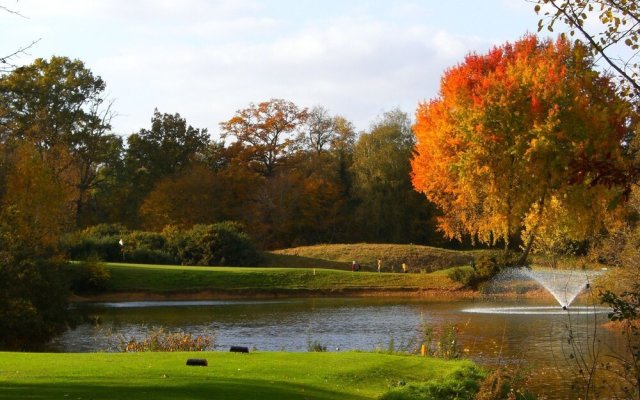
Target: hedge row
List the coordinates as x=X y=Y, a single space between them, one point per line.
x=224 y=243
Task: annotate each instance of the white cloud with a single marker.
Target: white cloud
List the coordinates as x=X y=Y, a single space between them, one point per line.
x=354 y=66
x=206 y=59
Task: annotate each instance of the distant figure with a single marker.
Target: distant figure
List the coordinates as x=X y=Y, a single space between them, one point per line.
x=405 y=268
x=379 y=265
x=355 y=266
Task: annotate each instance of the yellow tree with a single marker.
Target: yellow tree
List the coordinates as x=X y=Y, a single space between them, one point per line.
x=513 y=129
x=39 y=198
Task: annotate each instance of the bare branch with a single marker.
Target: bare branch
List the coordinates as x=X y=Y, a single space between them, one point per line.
x=10 y=11
x=6 y=60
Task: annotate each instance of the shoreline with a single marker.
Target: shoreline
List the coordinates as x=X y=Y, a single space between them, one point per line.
x=274 y=294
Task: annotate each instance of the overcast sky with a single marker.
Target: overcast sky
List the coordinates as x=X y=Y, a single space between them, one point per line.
x=205 y=59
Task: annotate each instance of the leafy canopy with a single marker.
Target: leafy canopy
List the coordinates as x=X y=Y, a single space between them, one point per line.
x=515 y=129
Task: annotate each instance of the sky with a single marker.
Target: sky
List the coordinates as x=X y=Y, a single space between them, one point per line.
x=205 y=59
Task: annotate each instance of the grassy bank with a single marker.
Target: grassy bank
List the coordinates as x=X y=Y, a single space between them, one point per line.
x=420 y=258
x=229 y=376
x=179 y=279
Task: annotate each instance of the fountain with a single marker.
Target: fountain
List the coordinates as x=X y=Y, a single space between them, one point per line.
x=563 y=285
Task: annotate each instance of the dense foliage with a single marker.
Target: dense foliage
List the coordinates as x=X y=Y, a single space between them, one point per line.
x=33 y=288
x=523 y=142
x=223 y=243
x=292 y=176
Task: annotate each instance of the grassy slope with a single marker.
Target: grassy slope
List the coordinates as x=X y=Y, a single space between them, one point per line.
x=229 y=376
x=393 y=255
x=162 y=278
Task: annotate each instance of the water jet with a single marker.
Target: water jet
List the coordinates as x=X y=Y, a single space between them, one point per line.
x=563 y=285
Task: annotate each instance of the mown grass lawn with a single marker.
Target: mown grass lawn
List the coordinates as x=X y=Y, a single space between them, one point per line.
x=159 y=376
x=163 y=279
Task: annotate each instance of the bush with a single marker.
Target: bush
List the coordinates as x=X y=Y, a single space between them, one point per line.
x=218 y=244
x=489 y=265
x=99 y=241
x=89 y=277
x=147 y=248
x=33 y=301
x=159 y=339
x=145 y=255
x=141 y=239
x=463 y=384
x=465 y=276
x=505 y=382
x=106 y=248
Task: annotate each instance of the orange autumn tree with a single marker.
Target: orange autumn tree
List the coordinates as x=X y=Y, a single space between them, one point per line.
x=512 y=131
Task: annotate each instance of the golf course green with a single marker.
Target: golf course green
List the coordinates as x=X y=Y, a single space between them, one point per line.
x=257 y=375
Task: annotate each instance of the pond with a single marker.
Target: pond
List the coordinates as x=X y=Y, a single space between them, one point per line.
x=535 y=337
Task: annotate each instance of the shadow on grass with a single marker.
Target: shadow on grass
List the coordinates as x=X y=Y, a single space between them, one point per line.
x=228 y=389
x=292 y=261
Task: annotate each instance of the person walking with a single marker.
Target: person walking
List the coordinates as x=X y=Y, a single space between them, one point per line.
x=405 y=268
x=379 y=265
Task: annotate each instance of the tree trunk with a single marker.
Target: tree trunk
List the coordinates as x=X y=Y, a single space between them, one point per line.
x=527 y=249
x=532 y=237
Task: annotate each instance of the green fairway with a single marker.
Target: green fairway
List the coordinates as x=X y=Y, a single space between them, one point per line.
x=166 y=279
x=159 y=376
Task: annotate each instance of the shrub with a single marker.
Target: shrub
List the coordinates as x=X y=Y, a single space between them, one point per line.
x=89 y=277
x=505 y=382
x=489 y=265
x=441 y=342
x=465 y=276
x=218 y=244
x=99 y=241
x=315 y=346
x=33 y=301
x=141 y=239
x=145 y=255
x=147 y=248
x=159 y=339
x=106 y=248
x=462 y=385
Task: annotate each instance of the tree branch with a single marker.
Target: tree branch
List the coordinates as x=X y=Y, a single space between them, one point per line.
x=575 y=22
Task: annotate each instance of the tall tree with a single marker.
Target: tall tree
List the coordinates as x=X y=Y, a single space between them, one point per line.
x=319 y=130
x=387 y=205
x=41 y=203
x=268 y=132
x=58 y=105
x=170 y=146
x=36 y=210
x=514 y=129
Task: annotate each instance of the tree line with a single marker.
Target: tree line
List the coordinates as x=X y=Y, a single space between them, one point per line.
x=291 y=175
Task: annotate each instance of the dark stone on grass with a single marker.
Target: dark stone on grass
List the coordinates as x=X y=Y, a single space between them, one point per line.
x=239 y=349
x=198 y=362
